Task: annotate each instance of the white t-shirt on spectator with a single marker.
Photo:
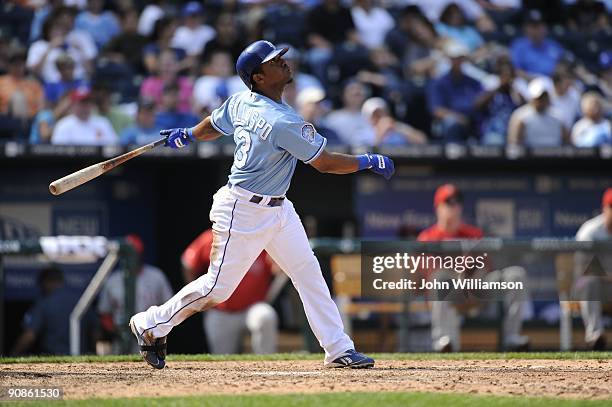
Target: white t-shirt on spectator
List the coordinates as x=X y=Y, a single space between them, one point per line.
x=352 y=128
x=96 y=131
x=372 y=26
x=587 y=133
x=81 y=48
x=506 y=3
x=566 y=108
x=148 y=17
x=539 y=130
x=192 y=40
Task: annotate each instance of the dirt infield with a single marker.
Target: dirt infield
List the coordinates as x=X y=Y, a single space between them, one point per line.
x=583 y=379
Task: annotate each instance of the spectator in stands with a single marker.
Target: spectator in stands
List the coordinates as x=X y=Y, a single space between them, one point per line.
x=498 y=104
x=21 y=97
x=603 y=82
x=588 y=16
x=593 y=129
x=532 y=124
x=168 y=74
x=44 y=121
x=471 y=8
x=145 y=130
x=169 y=114
x=310 y=105
x=229 y=36
x=246 y=310
x=193 y=35
x=160 y=41
x=59 y=38
x=152 y=287
x=54 y=91
x=15 y=19
x=413 y=41
x=101 y=24
x=445 y=320
x=82 y=127
x=591 y=286
x=104 y=104
x=383 y=72
x=41 y=13
x=388 y=130
x=328 y=25
x=454 y=26
x=452 y=99
x=127 y=47
x=372 y=22
x=535 y=53
x=217 y=82
x=46 y=325
x=348 y=122
x=564 y=96
x=149 y=17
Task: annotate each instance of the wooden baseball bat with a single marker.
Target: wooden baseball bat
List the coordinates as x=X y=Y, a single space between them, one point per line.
x=80 y=177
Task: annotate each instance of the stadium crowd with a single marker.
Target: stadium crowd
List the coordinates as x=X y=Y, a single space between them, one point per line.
x=367 y=72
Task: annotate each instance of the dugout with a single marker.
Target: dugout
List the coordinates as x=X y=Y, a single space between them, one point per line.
x=545 y=192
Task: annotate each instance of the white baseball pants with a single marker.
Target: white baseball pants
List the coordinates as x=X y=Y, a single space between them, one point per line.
x=241 y=230
x=225 y=330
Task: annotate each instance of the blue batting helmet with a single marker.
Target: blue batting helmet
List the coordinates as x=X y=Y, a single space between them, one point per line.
x=254 y=55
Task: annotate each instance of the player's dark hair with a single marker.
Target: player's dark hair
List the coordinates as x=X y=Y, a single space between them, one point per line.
x=256 y=71
x=50 y=274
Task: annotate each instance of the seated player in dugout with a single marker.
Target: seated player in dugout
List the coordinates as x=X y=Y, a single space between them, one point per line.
x=46 y=325
x=445 y=315
x=247 y=309
x=252 y=212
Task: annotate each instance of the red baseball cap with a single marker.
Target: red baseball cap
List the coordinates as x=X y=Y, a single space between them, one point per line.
x=136 y=242
x=445 y=192
x=606 y=200
x=80 y=94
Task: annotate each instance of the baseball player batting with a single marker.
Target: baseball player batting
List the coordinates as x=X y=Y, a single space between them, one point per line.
x=251 y=213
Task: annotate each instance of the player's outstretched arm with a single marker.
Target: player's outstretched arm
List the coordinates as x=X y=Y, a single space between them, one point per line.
x=338 y=163
x=179 y=138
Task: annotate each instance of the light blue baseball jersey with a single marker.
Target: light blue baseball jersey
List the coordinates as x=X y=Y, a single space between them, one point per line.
x=270 y=137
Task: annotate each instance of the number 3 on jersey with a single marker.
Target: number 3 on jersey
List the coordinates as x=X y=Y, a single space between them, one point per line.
x=243 y=141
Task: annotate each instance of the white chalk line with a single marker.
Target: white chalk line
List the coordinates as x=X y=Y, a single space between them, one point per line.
x=280 y=373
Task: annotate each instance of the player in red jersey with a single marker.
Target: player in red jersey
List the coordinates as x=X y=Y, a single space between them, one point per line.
x=445 y=320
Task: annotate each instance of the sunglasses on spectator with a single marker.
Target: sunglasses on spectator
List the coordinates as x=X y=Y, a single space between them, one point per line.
x=453 y=200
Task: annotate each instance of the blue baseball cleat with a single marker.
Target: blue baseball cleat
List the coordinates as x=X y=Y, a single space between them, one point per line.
x=353 y=359
x=152 y=350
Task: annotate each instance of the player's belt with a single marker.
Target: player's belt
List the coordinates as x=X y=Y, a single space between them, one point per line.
x=273 y=201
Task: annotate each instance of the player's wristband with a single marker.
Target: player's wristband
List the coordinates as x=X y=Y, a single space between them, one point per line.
x=190 y=134
x=364 y=162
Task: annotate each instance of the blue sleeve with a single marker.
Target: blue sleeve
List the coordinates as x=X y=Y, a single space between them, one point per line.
x=34 y=318
x=300 y=139
x=128 y=136
x=515 y=54
x=221 y=117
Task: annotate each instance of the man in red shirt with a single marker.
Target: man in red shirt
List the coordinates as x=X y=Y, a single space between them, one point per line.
x=245 y=309
x=445 y=321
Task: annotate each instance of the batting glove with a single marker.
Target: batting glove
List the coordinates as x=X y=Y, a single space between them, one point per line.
x=377 y=163
x=178 y=138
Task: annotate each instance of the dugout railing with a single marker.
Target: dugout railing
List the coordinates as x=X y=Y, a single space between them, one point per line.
x=552 y=266
x=78 y=249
